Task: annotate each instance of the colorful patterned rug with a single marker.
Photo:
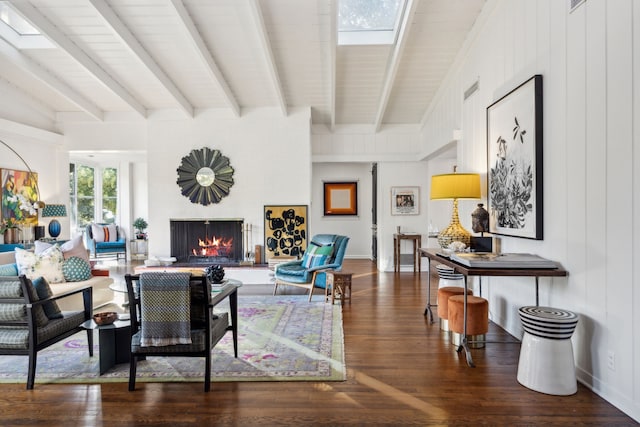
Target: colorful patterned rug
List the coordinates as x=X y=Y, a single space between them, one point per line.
x=280 y=338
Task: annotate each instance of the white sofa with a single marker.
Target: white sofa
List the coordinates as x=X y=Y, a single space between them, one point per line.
x=102 y=295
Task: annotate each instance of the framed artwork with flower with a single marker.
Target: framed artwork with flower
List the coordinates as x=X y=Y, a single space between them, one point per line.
x=514 y=162
x=19 y=192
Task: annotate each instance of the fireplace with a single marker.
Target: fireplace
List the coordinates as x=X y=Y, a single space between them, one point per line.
x=207 y=241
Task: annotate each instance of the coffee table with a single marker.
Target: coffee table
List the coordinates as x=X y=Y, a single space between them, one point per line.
x=114 y=342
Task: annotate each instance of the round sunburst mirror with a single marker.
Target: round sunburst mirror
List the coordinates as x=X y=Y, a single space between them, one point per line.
x=205 y=176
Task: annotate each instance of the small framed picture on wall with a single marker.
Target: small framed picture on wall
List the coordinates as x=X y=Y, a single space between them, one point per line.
x=405 y=200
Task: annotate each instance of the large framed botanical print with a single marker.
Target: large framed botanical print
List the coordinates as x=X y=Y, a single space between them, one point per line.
x=514 y=157
x=285 y=230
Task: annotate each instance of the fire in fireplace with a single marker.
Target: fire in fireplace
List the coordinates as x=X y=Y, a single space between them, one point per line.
x=207 y=241
x=213 y=247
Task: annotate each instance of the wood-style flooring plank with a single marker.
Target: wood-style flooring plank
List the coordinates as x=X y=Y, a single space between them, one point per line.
x=401 y=371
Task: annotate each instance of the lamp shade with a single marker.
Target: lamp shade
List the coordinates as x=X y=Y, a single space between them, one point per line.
x=455 y=186
x=54 y=210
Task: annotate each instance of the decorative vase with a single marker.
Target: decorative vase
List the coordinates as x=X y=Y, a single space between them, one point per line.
x=11 y=236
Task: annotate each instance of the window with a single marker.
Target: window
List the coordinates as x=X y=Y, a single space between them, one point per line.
x=93 y=195
x=362 y=22
x=19 y=32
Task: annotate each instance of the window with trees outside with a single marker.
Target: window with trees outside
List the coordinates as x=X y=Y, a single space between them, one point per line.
x=93 y=195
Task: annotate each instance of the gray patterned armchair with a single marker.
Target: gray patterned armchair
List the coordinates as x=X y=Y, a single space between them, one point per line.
x=31 y=321
x=160 y=326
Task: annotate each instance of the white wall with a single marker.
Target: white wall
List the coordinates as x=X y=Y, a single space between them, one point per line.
x=45 y=154
x=270 y=154
x=591 y=103
x=358 y=228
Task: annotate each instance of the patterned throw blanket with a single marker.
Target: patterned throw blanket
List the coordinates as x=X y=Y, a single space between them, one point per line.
x=164 y=309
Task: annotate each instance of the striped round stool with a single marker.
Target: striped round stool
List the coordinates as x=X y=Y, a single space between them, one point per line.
x=477 y=320
x=443 y=303
x=546 y=360
x=448 y=277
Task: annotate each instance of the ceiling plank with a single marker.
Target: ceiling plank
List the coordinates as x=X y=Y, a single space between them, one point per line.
x=205 y=55
x=394 y=62
x=258 y=19
x=333 y=43
x=7 y=88
x=61 y=40
x=141 y=53
x=33 y=68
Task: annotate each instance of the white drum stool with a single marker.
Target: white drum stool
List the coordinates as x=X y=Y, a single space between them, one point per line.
x=546 y=360
x=448 y=277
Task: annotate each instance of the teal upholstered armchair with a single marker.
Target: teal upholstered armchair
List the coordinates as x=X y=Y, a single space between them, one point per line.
x=111 y=241
x=324 y=252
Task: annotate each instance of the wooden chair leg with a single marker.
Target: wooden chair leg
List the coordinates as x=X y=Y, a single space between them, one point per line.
x=90 y=341
x=207 y=373
x=132 y=372
x=31 y=374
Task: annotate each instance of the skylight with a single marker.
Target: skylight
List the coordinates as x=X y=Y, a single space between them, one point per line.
x=18 y=31
x=362 y=22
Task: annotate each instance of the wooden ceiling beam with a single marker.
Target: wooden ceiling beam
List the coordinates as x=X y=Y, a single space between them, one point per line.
x=394 y=62
x=205 y=55
x=263 y=35
x=127 y=37
x=52 y=32
x=54 y=82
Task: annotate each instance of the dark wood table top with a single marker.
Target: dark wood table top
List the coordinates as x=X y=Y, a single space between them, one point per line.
x=437 y=255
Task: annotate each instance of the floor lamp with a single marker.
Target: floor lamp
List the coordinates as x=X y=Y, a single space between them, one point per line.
x=37 y=204
x=455 y=186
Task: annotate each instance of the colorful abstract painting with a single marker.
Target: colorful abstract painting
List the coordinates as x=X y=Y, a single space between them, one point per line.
x=19 y=192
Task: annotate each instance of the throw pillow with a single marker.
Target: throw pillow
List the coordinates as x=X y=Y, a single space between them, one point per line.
x=8 y=270
x=104 y=233
x=40 y=246
x=75 y=248
x=43 y=289
x=48 y=264
x=316 y=256
x=11 y=289
x=76 y=269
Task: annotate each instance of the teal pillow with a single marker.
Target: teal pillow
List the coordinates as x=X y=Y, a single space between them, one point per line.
x=43 y=290
x=76 y=269
x=9 y=270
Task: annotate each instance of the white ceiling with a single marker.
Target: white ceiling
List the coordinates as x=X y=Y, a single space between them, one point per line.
x=145 y=55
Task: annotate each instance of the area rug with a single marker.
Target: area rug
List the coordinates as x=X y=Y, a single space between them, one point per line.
x=280 y=338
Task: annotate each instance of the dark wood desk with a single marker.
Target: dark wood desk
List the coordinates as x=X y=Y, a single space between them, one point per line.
x=417 y=242
x=434 y=255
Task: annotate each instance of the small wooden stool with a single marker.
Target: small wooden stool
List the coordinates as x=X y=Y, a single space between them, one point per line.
x=443 y=303
x=477 y=319
x=339 y=284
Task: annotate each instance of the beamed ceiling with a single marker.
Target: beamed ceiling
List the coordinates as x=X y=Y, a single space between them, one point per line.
x=145 y=55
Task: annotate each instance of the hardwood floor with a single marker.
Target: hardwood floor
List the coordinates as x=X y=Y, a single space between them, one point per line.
x=401 y=370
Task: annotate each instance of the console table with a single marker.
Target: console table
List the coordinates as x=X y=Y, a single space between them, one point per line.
x=436 y=255
x=416 y=239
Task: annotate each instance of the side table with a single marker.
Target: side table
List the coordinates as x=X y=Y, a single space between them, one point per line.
x=340 y=284
x=114 y=342
x=138 y=248
x=416 y=239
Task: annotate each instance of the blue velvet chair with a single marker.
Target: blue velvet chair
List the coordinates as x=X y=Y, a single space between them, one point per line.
x=294 y=273
x=106 y=249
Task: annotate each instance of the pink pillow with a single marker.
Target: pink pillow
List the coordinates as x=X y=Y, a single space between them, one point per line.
x=75 y=247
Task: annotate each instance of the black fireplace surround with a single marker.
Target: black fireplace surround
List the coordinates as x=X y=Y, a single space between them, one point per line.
x=207 y=241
